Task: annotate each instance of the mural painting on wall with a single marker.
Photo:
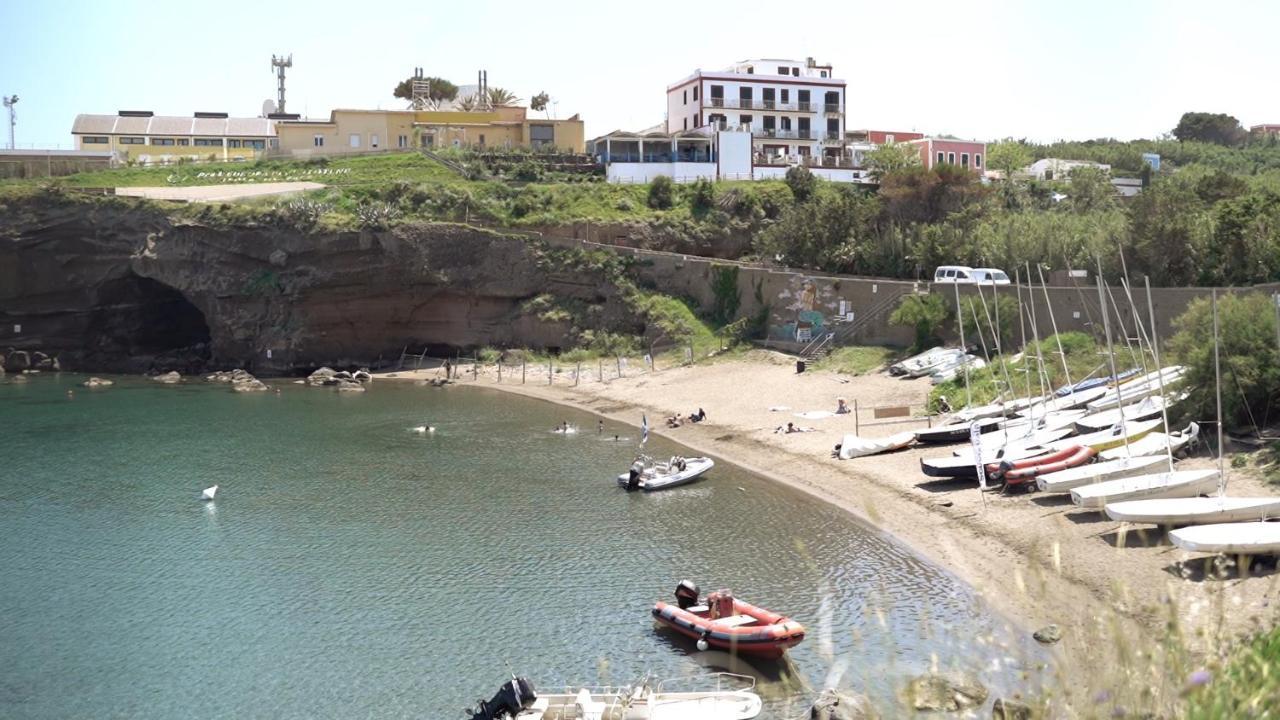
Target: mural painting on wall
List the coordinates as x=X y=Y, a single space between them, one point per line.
x=802 y=312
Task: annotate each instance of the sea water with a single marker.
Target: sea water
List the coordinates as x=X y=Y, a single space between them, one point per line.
x=351 y=567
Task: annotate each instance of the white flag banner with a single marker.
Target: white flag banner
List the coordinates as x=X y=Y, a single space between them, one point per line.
x=975 y=439
x=644 y=429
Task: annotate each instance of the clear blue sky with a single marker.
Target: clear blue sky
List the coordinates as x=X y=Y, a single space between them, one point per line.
x=988 y=69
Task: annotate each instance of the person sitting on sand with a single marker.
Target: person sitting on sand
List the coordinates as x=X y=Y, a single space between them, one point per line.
x=675 y=421
x=842 y=407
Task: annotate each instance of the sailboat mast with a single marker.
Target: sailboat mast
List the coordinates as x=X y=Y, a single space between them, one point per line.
x=1049 y=304
x=1022 y=328
x=1155 y=351
x=964 y=348
x=1106 y=324
x=1217 y=378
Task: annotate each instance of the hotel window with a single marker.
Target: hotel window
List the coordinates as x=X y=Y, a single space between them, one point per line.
x=481 y=140
x=542 y=136
x=802 y=97
x=354 y=140
x=824 y=73
x=686 y=123
x=767 y=95
x=951 y=158
x=942 y=159
x=695 y=93
x=888 y=138
x=373 y=141
x=717 y=96
x=184 y=142
x=256 y=144
x=233 y=143
x=696 y=116
x=783 y=71
x=94 y=140
x=786 y=123
x=162 y=142
x=744 y=119
x=795 y=72
x=132 y=141
x=770 y=123
x=402 y=141
x=744 y=98
x=977 y=160
x=317 y=140
x=786 y=96
x=208 y=142
x=964 y=160
x=684 y=97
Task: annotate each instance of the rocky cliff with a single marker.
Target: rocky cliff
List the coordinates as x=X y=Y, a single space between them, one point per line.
x=116 y=285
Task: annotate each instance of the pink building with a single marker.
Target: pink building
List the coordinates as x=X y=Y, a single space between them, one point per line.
x=1268 y=129
x=963 y=153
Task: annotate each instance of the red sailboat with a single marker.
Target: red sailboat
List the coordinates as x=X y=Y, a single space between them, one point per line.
x=726 y=623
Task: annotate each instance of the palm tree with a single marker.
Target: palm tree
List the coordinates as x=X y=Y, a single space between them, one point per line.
x=500 y=96
x=470 y=103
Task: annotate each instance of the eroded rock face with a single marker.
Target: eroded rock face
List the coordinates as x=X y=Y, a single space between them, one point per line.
x=841 y=705
x=116 y=285
x=943 y=693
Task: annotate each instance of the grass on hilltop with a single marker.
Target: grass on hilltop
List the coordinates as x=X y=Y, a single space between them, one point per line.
x=856 y=359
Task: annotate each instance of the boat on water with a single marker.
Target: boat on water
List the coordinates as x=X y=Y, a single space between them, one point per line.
x=1195 y=510
x=1155 y=443
x=649 y=475
x=209 y=493
x=1176 y=484
x=915 y=362
x=724 y=622
x=1245 y=538
x=1067 y=480
x=723 y=696
x=852 y=446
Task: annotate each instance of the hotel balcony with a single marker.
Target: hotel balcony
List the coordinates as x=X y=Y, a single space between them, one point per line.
x=773 y=160
x=831 y=109
x=766 y=105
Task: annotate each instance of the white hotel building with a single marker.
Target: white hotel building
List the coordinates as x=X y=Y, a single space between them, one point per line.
x=751 y=121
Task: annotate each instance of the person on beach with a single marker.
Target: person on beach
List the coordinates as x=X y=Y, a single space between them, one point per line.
x=600 y=427
x=448 y=368
x=842 y=407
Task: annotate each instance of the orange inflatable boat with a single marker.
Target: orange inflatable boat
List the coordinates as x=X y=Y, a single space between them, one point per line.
x=726 y=623
x=1026 y=470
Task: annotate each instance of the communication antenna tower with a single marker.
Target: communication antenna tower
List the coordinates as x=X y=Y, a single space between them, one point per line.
x=278 y=64
x=9 y=102
x=420 y=91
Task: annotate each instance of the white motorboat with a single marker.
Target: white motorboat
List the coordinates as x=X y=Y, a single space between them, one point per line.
x=1067 y=480
x=518 y=700
x=1176 y=484
x=1246 y=538
x=1148 y=408
x=852 y=446
x=209 y=493
x=931 y=363
x=1195 y=510
x=1155 y=443
x=916 y=362
x=648 y=475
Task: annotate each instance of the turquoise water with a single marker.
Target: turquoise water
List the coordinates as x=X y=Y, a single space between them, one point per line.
x=350 y=568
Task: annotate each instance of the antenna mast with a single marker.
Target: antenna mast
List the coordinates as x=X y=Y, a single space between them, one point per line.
x=278 y=64
x=420 y=91
x=9 y=102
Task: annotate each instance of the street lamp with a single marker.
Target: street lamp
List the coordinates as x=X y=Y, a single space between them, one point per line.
x=9 y=102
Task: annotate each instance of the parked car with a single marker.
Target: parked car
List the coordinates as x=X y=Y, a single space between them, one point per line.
x=990 y=276
x=953 y=274
x=962 y=275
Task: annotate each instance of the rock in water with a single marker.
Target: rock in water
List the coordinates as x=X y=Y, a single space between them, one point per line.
x=96 y=382
x=1048 y=634
x=837 y=705
x=349 y=386
x=168 y=378
x=278 y=258
x=320 y=376
x=941 y=693
x=1010 y=710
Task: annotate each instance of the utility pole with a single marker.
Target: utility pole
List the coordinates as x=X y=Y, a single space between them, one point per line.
x=278 y=64
x=9 y=102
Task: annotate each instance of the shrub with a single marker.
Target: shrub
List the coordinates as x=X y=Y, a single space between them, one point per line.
x=661 y=193
x=376 y=215
x=925 y=313
x=1247 y=348
x=702 y=196
x=802 y=182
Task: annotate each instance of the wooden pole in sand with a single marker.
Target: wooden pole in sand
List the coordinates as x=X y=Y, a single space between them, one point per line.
x=550 y=372
x=600 y=370
x=578 y=374
x=523 y=364
x=499 y=370
x=619 y=366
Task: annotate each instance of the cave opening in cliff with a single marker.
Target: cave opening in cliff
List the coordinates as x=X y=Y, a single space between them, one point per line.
x=141 y=325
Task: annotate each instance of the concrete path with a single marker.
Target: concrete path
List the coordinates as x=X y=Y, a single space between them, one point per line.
x=218 y=193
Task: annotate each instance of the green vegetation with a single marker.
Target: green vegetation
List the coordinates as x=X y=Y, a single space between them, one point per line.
x=1247 y=687
x=924 y=313
x=724 y=285
x=857 y=359
x=1248 y=357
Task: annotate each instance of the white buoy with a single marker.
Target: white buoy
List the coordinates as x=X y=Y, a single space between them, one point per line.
x=209 y=492
x=702 y=644
x=421 y=429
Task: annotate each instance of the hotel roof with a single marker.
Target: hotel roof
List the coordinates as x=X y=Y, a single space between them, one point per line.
x=134 y=124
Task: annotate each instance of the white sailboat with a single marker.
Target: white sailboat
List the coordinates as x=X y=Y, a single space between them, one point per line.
x=1156 y=443
x=852 y=446
x=1154 y=384
x=209 y=492
x=1067 y=480
x=1247 y=538
x=1176 y=484
x=1146 y=409
x=916 y=362
x=1195 y=510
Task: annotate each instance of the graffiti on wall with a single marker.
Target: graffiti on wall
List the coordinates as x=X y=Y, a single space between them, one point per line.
x=806 y=307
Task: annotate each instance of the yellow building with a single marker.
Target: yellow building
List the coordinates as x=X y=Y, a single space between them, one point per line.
x=359 y=131
x=142 y=136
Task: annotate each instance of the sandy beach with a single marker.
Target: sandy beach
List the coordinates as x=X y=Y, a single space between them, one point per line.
x=1037 y=557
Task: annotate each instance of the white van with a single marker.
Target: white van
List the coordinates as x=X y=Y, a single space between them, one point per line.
x=953 y=274
x=989 y=276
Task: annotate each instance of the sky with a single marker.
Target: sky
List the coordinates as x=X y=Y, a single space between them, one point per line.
x=983 y=69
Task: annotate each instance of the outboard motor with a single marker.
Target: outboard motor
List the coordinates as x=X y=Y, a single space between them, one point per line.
x=686 y=594
x=514 y=697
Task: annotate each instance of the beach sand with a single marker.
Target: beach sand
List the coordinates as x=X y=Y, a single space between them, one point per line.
x=1035 y=557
